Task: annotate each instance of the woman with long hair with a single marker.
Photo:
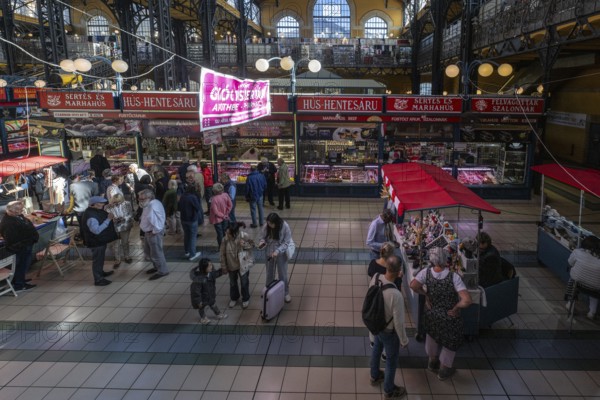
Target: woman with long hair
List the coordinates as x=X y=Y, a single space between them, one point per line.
x=276 y=237
x=234 y=241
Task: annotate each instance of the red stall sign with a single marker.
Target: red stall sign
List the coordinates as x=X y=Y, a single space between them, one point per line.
x=76 y=100
x=339 y=104
x=424 y=104
x=161 y=101
x=3 y=96
x=23 y=93
x=507 y=105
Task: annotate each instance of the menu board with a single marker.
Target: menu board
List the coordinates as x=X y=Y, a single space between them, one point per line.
x=17 y=135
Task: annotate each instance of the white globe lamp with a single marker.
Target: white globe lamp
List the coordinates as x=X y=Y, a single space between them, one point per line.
x=67 y=65
x=314 y=66
x=452 y=71
x=287 y=63
x=262 y=65
x=119 y=66
x=505 y=70
x=82 y=65
x=485 y=69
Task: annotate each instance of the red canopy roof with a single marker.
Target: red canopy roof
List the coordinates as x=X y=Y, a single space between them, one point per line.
x=419 y=186
x=20 y=165
x=587 y=180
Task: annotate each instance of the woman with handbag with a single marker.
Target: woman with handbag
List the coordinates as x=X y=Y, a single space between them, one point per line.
x=236 y=259
x=279 y=248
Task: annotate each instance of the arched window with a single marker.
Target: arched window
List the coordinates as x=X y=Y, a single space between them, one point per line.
x=98 y=26
x=331 y=19
x=376 y=28
x=143 y=29
x=425 y=88
x=288 y=27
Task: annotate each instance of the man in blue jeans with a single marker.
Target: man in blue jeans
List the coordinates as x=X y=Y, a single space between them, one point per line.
x=393 y=336
x=255 y=189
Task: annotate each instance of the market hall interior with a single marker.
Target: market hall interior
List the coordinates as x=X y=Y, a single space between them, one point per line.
x=140 y=339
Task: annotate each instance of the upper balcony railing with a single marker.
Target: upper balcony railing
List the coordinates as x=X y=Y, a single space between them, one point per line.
x=350 y=53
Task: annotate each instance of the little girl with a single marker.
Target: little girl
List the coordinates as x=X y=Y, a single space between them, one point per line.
x=203 y=289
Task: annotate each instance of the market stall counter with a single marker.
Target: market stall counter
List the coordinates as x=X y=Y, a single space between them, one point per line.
x=427 y=189
x=557 y=235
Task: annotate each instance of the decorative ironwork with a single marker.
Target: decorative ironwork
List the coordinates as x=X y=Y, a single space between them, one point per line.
x=162 y=34
x=52 y=33
x=7 y=28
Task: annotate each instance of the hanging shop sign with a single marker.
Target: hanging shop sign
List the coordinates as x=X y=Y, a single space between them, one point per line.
x=160 y=101
x=46 y=128
x=66 y=100
x=227 y=101
x=212 y=136
x=574 y=120
x=261 y=129
x=420 y=118
x=507 y=105
x=102 y=127
x=482 y=135
x=3 y=96
x=424 y=104
x=339 y=104
x=353 y=132
x=172 y=128
x=24 y=93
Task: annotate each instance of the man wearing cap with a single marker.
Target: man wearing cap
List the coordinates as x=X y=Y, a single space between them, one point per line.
x=19 y=236
x=269 y=170
x=152 y=223
x=98 y=230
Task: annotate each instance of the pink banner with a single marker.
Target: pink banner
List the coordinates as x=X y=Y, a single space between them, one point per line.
x=227 y=101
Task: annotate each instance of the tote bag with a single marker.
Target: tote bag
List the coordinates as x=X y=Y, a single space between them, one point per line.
x=291 y=249
x=246 y=261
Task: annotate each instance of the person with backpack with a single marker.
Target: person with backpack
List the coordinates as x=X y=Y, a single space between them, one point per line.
x=383 y=314
x=445 y=295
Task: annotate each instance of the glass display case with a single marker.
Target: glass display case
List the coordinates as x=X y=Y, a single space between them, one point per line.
x=236 y=155
x=319 y=173
x=512 y=164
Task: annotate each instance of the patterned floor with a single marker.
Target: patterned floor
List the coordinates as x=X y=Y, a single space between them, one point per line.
x=139 y=339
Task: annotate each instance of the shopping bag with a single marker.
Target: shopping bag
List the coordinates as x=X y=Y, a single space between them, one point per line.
x=246 y=259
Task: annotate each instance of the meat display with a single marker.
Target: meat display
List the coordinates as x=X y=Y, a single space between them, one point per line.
x=477 y=177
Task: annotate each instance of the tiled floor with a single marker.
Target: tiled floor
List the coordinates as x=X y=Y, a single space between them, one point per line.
x=138 y=339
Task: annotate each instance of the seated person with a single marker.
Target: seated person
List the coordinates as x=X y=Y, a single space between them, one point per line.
x=585 y=269
x=490 y=263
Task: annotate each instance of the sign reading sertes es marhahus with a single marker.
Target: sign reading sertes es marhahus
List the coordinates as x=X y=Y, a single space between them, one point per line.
x=227 y=101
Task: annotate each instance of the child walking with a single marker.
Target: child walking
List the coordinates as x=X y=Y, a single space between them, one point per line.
x=203 y=289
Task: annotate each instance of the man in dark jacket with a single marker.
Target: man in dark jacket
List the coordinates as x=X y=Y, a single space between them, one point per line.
x=490 y=263
x=98 y=231
x=268 y=169
x=255 y=188
x=99 y=163
x=19 y=236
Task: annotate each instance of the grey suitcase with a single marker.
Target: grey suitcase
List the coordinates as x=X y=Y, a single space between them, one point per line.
x=273 y=296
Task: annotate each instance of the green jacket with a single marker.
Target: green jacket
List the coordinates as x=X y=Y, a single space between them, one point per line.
x=283 y=177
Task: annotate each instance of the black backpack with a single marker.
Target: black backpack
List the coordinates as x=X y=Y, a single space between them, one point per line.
x=373 y=310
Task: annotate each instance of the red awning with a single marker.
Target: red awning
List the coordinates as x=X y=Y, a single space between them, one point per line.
x=417 y=186
x=20 y=165
x=587 y=180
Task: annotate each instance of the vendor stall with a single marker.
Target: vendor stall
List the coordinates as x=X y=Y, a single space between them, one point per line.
x=558 y=236
x=427 y=188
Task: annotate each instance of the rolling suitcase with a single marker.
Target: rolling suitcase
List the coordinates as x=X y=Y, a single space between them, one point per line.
x=273 y=298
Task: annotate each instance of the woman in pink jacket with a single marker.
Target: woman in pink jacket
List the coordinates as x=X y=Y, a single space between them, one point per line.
x=220 y=207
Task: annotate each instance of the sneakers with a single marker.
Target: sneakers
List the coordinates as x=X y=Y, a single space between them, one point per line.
x=376 y=381
x=568 y=306
x=433 y=366
x=232 y=303
x=205 y=321
x=445 y=373
x=288 y=298
x=398 y=393
x=245 y=304
x=196 y=256
x=25 y=286
x=589 y=315
x=221 y=316
x=187 y=255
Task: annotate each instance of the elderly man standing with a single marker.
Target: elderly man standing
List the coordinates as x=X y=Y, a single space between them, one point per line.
x=380 y=231
x=152 y=223
x=98 y=231
x=19 y=235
